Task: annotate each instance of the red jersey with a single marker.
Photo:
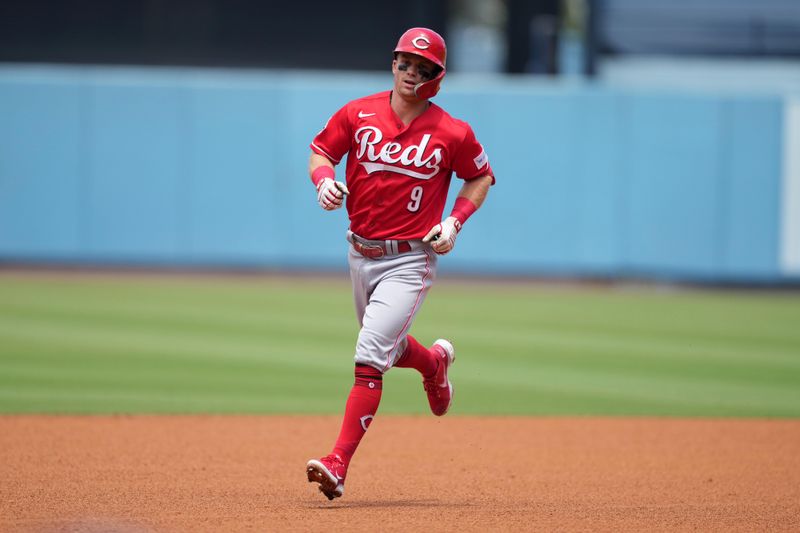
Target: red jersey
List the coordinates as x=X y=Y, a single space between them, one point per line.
x=398 y=176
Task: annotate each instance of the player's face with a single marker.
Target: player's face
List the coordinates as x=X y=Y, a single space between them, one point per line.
x=409 y=70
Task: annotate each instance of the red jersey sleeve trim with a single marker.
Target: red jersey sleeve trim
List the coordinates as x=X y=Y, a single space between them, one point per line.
x=322 y=152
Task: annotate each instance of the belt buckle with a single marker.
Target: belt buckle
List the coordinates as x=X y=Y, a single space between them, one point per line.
x=370 y=251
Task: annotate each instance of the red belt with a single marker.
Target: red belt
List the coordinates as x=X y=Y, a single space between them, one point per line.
x=376 y=251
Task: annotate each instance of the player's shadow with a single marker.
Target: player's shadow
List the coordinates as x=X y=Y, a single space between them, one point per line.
x=376 y=504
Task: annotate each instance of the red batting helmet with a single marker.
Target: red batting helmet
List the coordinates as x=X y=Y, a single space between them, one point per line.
x=430 y=45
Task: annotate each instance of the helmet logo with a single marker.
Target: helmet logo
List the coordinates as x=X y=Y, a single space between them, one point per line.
x=424 y=46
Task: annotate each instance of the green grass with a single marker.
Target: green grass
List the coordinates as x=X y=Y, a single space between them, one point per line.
x=169 y=344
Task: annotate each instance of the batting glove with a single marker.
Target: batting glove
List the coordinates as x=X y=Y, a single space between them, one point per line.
x=330 y=194
x=443 y=235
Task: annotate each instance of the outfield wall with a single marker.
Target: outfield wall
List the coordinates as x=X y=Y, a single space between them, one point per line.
x=208 y=168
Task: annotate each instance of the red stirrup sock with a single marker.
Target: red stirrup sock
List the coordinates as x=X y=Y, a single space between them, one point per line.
x=362 y=404
x=418 y=357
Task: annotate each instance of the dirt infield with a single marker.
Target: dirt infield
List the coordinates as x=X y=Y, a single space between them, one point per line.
x=202 y=473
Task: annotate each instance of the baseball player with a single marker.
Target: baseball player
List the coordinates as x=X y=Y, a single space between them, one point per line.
x=402 y=151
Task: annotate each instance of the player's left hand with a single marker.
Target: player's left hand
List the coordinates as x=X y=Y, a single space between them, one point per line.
x=443 y=235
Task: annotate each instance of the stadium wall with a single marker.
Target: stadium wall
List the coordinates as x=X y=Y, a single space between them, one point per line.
x=207 y=167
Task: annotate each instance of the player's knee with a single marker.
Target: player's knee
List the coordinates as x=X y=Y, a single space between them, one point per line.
x=375 y=349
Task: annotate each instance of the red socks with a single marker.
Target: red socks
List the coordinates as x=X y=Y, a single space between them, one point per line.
x=362 y=404
x=418 y=357
x=365 y=396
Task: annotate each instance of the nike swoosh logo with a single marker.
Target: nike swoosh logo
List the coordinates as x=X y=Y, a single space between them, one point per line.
x=361 y=114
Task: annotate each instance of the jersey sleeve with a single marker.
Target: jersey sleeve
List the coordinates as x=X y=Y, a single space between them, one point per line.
x=471 y=160
x=333 y=141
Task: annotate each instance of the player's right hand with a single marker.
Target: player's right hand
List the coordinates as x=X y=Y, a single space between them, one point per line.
x=330 y=194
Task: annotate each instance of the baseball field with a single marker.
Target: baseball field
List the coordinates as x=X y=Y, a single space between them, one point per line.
x=191 y=402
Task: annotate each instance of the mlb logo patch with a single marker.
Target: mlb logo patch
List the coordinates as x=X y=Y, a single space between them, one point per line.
x=482 y=159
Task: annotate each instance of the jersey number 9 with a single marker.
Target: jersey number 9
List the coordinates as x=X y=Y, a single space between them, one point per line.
x=416 y=199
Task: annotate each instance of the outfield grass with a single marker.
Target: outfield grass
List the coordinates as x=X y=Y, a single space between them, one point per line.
x=172 y=344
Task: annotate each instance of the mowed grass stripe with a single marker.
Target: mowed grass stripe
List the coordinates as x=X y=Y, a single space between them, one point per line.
x=739 y=317
x=631 y=386
x=66 y=400
x=129 y=378
x=133 y=347
x=136 y=344
x=52 y=337
x=202 y=340
x=148 y=361
x=261 y=331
